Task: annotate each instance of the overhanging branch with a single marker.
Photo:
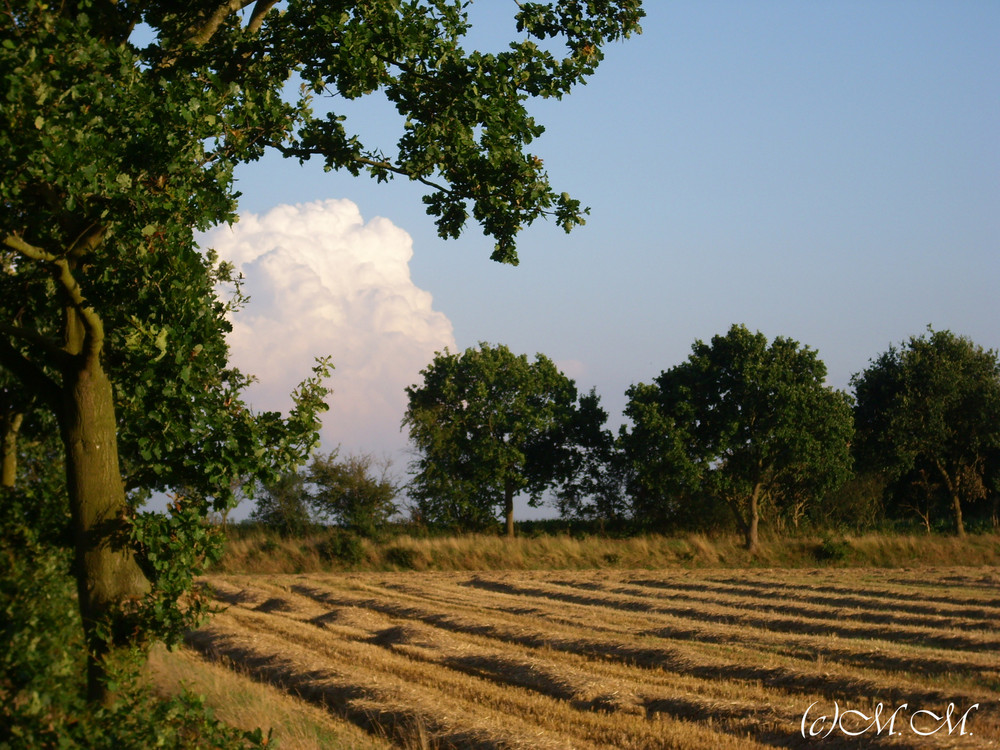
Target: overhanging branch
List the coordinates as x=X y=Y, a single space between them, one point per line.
x=201 y=35
x=28 y=250
x=260 y=9
x=37 y=340
x=388 y=166
x=30 y=375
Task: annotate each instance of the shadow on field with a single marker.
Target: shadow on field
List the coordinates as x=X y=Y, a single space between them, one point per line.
x=801 y=618
x=327 y=689
x=650 y=657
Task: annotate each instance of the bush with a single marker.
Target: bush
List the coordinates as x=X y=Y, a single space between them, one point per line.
x=357 y=492
x=342 y=547
x=42 y=666
x=405 y=558
x=831 y=550
x=282 y=506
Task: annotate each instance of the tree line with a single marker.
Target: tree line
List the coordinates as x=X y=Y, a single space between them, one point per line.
x=744 y=432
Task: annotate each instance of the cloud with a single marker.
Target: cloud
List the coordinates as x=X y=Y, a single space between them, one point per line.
x=572 y=368
x=323 y=282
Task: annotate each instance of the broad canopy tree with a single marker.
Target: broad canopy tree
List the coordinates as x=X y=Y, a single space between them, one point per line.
x=487 y=425
x=743 y=422
x=117 y=144
x=929 y=411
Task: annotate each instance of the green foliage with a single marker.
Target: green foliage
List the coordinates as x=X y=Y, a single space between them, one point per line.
x=741 y=422
x=342 y=547
x=282 y=505
x=928 y=418
x=38 y=620
x=173 y=549
x=833 y=550
x=487 y=425
x=38 y=499
x=116 y=145
x=356 y=492
x=42 y=692
x=856 y=505
x=593 y=474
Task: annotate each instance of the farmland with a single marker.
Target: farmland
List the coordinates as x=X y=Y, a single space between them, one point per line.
x=625 y=658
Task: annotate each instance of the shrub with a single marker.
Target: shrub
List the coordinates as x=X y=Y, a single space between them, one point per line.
x=405 y=558
x=42 y=691
x=357 y=492
x=282 y=506
x=341 y=546
x=832 y=550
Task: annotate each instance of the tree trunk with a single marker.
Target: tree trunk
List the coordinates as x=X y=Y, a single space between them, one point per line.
x=508 y=504
x=956 y=504
x=753 y=520
x=10 y=424
x=953 y=486
x=109 y=579
x=747 y=523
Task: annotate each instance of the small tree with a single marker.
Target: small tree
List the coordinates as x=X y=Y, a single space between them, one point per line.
x=742 y=422
x=357 y=492
x=928 y=417
x=282 y=505
x=487 y=425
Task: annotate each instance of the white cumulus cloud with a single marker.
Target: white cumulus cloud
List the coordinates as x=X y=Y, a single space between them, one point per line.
x=322 y=281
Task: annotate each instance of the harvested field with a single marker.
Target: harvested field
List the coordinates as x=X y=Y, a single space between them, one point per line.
x=627 y=659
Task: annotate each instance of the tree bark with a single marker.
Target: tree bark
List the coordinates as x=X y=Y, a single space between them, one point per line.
x=109 y=579
x=956 y=500
x=10 y=425
x=748 y=522
x=956 y=504
x=508 y=503
x=753 y=520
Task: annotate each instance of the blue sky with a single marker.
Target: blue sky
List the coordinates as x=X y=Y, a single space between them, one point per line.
x=828 y=171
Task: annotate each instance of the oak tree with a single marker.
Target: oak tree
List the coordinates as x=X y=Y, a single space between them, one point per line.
x=744 y=422
x=487 y=425
x=928 y=412
x=122 y=124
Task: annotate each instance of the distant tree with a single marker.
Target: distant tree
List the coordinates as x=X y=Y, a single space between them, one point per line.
x=741 y=422
x=928 y=417
x=487 y=425
x=591 y=484
x=357 y=492
x=283 y=505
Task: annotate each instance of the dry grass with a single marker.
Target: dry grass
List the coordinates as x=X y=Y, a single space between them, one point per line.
x=258 y=552
x=693 y=659
x=248 y=704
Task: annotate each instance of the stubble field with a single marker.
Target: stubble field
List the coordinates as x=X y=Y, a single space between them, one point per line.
x=693 y=659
